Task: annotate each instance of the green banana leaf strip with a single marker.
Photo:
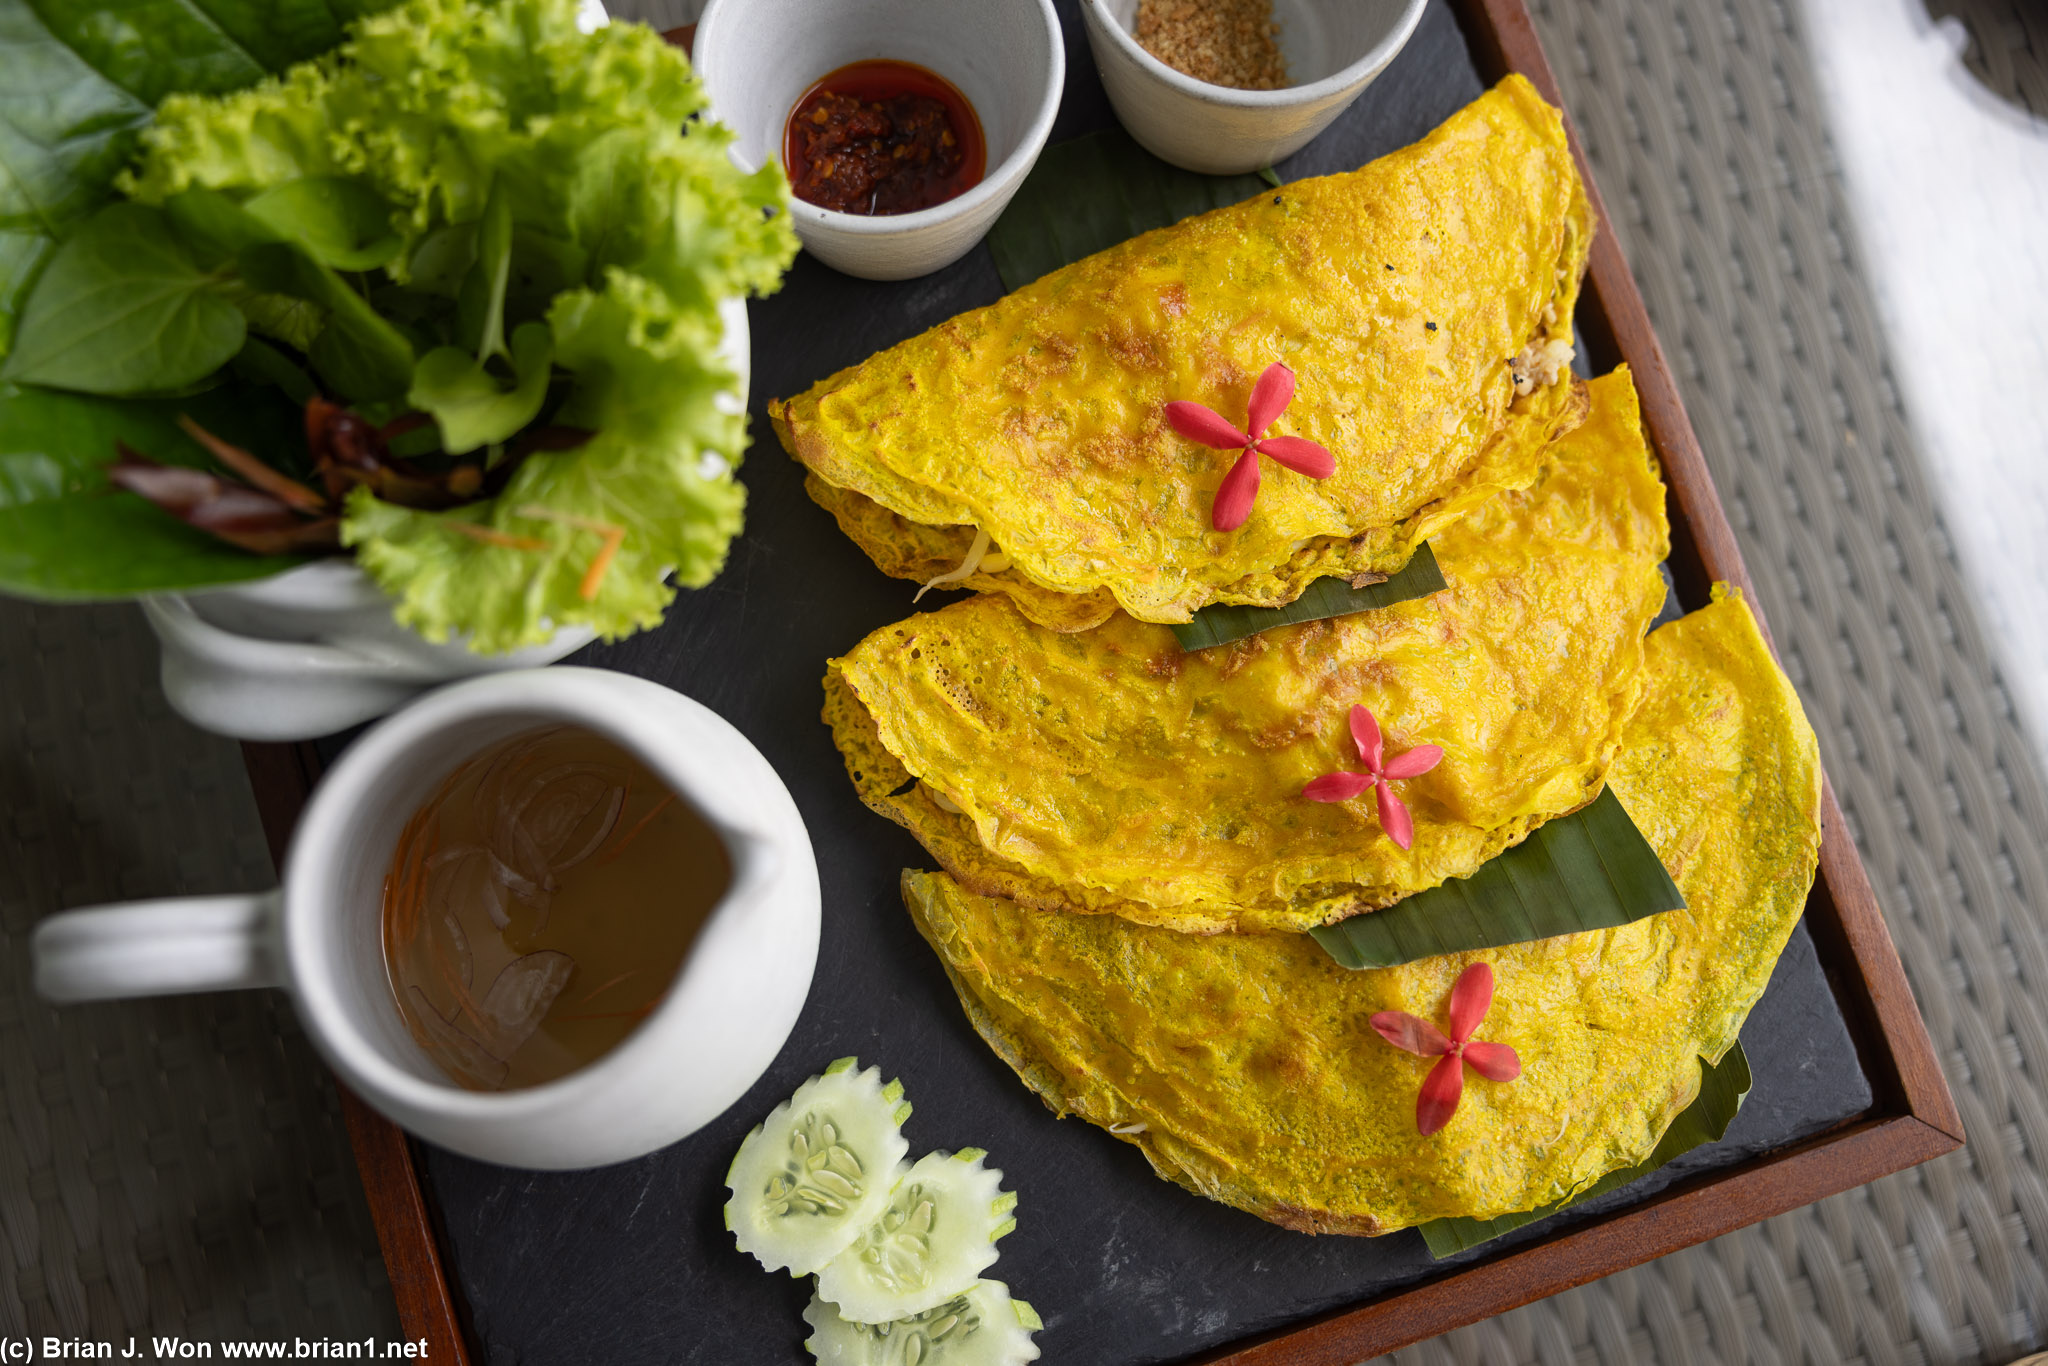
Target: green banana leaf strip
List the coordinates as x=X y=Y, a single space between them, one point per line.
x=1222 y=622
x=1093 y=192
x=1591 y=870
x=1723 y=1087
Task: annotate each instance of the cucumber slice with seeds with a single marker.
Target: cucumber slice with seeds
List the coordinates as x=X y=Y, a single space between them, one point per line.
x=819 y=1170
x=983 y=1327
x=931 y=1242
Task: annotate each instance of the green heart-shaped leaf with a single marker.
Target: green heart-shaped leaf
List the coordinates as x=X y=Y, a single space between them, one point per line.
x=122 y=308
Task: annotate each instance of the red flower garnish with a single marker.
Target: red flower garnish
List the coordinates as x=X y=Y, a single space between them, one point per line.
x=1270 y=397
x=1379 y=772
x=1471 y=997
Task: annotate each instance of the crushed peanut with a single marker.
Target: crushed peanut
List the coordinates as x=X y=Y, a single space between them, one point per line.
x=1224 y=42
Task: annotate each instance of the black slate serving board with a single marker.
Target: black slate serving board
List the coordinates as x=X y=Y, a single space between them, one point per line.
x=630 y=1265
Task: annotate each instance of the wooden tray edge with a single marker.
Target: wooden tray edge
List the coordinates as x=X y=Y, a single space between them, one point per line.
x=1678 y=1218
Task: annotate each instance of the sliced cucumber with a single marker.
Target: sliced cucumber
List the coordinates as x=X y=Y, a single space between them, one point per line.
x=929 y=1244
x=983 y=1327
x=819 y=1170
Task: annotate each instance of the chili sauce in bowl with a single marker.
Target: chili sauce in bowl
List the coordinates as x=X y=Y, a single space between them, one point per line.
x=882 y=137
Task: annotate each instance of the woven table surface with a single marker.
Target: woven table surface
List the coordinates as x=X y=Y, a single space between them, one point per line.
x=173 y=1166
x=1707 y=136
x=178 y=1166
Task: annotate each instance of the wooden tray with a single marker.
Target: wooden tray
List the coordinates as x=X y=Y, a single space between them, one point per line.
x=1844 y=987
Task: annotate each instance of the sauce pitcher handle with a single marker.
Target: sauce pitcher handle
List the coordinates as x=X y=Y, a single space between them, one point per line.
x=158 y=948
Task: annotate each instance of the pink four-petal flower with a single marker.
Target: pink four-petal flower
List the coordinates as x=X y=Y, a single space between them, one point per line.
x=1471 y=998
x=1270 y=397
x=1379 y=773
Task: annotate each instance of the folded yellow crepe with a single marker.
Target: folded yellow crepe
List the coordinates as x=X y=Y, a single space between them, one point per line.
x=1247 y=1069
x=1110 y=771
x=1406 y=297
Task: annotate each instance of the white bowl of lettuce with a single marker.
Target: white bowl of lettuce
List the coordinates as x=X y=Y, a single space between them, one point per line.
x=420 y=358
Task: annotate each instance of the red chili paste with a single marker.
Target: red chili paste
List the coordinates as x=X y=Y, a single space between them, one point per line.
x=882 y=137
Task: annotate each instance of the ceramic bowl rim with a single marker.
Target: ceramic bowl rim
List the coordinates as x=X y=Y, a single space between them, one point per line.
x=1289 y=97
x=996 y=182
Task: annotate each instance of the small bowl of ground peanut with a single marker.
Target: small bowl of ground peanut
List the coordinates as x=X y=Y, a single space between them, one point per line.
x=1226 y=86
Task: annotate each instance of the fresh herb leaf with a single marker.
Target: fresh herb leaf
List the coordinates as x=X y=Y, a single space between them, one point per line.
x=78 y=80
x=262 y=363
x=646 y=489
x=1723 y=1088
x=65 y=535
x=1220 y=623
x=22 y=256
x=122 y=308
x=214 y=226
x=66 y=128
x=471 y=406
x=340 y=222
x=480 y=308
x=1591 y=870
x=359 y=353
x=1092 y=192
x=442 y=260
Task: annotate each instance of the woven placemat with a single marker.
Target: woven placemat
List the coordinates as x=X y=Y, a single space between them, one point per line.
x=173 y=1166
x=1707 y=136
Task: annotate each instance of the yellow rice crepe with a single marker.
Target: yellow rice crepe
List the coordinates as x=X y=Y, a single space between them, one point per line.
x=1111 y=771
x=1401 y=294
x=1247 y=1070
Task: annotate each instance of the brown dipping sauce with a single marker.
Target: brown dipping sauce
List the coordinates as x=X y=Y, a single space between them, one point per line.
x=882 y=137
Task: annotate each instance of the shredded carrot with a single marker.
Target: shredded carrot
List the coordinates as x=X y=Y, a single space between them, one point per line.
x=605 y=1015
x=620 y=844
x=630 y=972
x=287 y=490
x=614 y=536
x=493 y=536
x=593 y=577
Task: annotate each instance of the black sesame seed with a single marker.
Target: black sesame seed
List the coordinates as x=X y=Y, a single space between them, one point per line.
x=1276 y=199
x=1430 y=326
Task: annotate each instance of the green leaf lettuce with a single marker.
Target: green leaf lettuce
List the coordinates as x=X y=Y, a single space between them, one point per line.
x=629 y=225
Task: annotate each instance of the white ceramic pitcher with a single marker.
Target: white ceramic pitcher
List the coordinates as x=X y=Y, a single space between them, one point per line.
x=319 y=935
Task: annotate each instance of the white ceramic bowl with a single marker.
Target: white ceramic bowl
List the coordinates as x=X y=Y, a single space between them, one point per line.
x=1333 y=48
x=758 y=57
x=317 y=650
